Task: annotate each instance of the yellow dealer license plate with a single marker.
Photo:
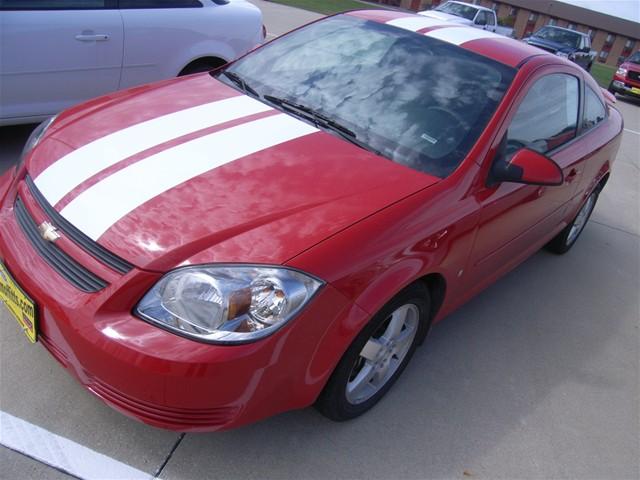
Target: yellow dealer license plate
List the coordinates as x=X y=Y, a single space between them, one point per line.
x=18 y=303
x=635 y=90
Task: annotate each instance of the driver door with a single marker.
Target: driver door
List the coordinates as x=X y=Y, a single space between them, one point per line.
x=517 y=219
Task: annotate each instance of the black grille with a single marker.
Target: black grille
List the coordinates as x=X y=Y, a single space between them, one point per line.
x=633 y=75
x=62 y=263
x=92 y=248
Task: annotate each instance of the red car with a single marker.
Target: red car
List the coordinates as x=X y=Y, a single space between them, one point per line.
x=626 y=80
x=208 y=251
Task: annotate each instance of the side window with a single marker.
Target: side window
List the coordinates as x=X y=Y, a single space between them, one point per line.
x=160 y=4
x=548 y=115
x=481 y=19
x=491 y=19
x=55 y=4
x=594 y=111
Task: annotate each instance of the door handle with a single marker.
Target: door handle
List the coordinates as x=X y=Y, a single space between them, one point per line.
x=572 y=175
x=93 y=37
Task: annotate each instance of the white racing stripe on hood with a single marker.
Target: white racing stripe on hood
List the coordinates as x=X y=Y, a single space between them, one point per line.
x=415 y=23
x=64 y=175
x=460 y=35
x=96 y=209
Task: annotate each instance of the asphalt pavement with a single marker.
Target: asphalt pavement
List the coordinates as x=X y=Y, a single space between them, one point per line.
x=537 y=377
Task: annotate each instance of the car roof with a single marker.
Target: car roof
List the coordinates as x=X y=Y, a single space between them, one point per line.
x=497 y=47
x=561 y=28
x=477 y=7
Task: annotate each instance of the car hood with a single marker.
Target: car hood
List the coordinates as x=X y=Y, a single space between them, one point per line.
x=634 y=67
x=192 y=171
x=549 y=45
x=446 y=17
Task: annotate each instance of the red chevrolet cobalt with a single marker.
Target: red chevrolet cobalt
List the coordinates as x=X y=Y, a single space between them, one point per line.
x=208 y=251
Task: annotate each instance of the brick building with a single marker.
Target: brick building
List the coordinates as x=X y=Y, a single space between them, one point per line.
x=612 y=38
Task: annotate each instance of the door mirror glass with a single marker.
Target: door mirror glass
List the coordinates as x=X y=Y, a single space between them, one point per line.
x=528 y=167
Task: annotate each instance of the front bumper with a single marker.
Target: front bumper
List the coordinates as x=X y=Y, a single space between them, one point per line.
x=625 y=86
x=163 y=379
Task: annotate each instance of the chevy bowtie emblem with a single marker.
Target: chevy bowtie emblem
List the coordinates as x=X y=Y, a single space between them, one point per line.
x=48 y=232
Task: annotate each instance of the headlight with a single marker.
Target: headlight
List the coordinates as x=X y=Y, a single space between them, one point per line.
x=227 y=304
x=562 y=54
x=35 y=138
x=622 y=72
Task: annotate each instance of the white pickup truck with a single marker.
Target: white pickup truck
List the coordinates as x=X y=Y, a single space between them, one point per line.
x=468 y=14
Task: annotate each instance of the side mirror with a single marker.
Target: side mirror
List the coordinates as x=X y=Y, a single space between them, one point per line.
x=528 y=167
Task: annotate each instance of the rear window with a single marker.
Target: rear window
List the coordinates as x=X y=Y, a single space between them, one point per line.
x=418 y=101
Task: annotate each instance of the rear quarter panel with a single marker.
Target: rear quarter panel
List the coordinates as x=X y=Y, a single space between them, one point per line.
x=159 y=43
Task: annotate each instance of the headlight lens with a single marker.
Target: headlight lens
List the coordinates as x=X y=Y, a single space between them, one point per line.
x=562 y=54
x=227 y=304
x=35 y=138
x=622 y=72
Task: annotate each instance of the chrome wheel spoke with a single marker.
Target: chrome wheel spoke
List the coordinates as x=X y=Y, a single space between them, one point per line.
x=357 y=387
x=396 y=323
x=581 y=219
x=371 y=349
x=383 y=354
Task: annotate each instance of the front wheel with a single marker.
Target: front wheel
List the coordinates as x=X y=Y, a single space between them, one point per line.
x=563 y=242
x=377 y=356
x=610 y=88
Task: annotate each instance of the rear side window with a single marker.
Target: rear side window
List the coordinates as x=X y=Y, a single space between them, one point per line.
x=594 y=111
x=548 y=115
x=55 y=4
x=160 y=4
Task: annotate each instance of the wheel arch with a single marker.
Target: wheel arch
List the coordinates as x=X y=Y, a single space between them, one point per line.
x=210 y=60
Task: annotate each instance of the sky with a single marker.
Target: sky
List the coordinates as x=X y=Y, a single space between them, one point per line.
x=629 y=9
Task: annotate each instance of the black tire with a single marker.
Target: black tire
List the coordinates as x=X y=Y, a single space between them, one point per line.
x=333 y=402
x=589 y=67
x=562 y=243
x=610 y=88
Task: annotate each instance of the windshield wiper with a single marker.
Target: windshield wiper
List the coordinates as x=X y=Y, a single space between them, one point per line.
x=241 y=82
x=320 y=120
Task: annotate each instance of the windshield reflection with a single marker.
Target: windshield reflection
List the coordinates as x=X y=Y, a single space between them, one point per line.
x=418 y=101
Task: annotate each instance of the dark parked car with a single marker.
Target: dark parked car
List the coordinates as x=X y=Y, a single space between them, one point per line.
x=564 y=42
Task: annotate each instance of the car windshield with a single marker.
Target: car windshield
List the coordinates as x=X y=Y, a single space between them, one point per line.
x=635 y=58
x=415 y=100
x=557 y=35
x=458 y=9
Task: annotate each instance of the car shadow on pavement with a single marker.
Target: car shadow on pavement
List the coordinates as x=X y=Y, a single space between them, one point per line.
x=489 y=381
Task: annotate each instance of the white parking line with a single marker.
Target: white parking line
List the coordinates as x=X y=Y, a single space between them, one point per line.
x=631 y=131
x=61 y=453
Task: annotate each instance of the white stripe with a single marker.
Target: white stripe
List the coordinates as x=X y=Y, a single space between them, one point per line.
x=96 y=209
x=71 y=170
x=415 y=23
x=460 y=35
x=631 y=131
x=62 y=453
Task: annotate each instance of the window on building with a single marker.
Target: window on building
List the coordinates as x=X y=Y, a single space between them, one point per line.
x=610 y=38
x=629 y=44
x=533 y=17
x=494 y=6
x=552 y=22
x=591 y=32
x=572 y=26
x=603 y=56
x=513 y=12
x=547 y=117
x=594 y=111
